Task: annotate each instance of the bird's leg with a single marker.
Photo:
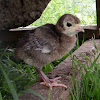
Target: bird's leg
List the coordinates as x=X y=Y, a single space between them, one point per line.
x=50 y=82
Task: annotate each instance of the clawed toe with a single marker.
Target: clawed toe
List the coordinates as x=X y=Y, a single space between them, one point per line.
x=53 y=83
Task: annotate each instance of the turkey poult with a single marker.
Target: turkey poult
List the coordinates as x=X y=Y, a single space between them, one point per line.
x=47 y=43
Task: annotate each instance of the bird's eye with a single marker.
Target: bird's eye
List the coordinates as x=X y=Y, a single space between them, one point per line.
x=69 y=24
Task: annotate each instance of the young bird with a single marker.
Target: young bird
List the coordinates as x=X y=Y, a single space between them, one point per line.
x=48 y=43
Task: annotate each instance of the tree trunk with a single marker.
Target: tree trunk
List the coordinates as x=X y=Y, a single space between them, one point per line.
x=16 y=13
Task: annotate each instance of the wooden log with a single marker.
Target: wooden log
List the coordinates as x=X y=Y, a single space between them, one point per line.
x=17 y=33
x=98 y=13
x=64 y=70
x=98 y=17
x=88 y=27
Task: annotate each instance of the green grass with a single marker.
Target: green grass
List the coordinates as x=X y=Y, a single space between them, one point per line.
x=15 y=77
x=89 y=86
x=9 y=83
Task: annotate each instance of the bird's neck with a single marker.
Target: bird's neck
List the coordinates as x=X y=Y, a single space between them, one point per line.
x=67 y=39
x=66 y=44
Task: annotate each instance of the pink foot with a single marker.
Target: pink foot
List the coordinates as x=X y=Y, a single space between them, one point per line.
x=53 y=83
x=50 y=82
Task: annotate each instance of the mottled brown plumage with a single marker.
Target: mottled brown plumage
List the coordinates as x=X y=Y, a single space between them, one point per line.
x=48 y=43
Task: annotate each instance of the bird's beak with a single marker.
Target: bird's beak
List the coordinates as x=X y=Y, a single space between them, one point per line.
x=80 y=29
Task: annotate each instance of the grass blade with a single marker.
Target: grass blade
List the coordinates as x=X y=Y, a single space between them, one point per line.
x=94 y=62
x=49 y=94
x=1 y=96
x=86 y=57
x=10 y=85
x=73 y=97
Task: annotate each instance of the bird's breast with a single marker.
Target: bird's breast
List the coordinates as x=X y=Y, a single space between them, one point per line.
x=65 y=45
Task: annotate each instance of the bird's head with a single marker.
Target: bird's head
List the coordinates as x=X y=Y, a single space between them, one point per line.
x=69 y=25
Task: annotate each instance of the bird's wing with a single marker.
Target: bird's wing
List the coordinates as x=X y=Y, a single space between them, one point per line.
x=39 y=43
x=42 y=45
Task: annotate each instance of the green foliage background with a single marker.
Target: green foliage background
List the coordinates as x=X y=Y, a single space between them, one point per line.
x=84 y=9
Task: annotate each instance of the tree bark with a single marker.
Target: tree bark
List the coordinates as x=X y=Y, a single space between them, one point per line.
x=16 y=13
